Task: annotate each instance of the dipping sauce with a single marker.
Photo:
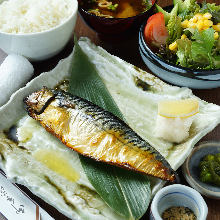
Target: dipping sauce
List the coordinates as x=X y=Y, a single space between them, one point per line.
x=178 y=213
x=116 y=8
x=210 y=169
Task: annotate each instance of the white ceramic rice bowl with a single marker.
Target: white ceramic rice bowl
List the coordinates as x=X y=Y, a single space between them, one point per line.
x=41 y=45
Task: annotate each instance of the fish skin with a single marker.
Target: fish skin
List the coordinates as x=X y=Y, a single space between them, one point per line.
x=95 y=133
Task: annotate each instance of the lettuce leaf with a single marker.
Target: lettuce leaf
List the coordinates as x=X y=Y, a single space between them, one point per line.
x=202 y=47
x=187 y=8
x=213 y=9
x=200 y=52
x=174 y=28
x=184 y=52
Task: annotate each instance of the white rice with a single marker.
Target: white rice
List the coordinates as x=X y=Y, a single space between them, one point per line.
x=31 y=16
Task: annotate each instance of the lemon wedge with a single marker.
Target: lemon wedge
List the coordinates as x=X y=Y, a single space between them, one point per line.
x=178 y=108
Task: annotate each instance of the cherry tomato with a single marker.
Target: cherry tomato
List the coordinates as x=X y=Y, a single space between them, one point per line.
x=153 y=1
x=155 y=32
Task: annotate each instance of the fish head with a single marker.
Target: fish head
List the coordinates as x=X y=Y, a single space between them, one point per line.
x=37 y=101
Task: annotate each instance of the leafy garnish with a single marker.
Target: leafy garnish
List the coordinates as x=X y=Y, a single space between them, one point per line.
x=165 y=53
x=147 y=4
x=186 y=8
x=113 y=7
x=184 y=52
x=202 y=47
x=213 y=9
x=174 y=28
x=200 y=52
x=126 y=192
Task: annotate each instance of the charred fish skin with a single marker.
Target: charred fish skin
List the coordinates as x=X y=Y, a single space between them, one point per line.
x=95 y=132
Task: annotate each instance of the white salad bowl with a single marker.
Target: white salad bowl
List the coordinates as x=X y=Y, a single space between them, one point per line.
x=41 y=45
x=178 y=195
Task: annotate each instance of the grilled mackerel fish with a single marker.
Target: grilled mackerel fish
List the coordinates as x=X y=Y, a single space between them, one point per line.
x=95 y=133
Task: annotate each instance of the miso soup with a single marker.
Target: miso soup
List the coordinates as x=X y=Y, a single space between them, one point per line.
x=116 y=8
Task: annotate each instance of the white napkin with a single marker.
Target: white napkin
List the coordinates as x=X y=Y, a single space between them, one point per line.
x=15 y=71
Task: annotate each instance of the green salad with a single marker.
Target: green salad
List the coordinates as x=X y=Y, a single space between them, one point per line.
x=188 y=35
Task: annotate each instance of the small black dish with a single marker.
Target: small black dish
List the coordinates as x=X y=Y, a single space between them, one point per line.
x=191 y=169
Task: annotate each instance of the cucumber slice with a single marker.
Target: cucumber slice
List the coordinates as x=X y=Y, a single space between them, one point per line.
x=166 y=14
x=174 y=11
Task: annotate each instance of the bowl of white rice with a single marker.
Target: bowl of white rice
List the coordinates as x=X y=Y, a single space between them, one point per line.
x=38 y=29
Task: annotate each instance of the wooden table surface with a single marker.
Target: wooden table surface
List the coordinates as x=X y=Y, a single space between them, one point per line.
x=126 y=49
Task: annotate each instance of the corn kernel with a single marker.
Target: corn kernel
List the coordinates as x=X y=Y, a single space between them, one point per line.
x=173 y=46
x=208 y=23
x=185 y=24
x=205 y=27
x=207 y=15
x=183 y=37
x=216 y=27
x=200 y=25
x=191 y=24
x=199 y=16
x=216 y=35
x=194 y=19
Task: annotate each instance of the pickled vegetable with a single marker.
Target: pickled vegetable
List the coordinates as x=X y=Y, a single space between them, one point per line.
x=210 y=169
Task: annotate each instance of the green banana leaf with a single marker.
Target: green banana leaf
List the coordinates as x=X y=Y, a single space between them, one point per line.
x=126 y=192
